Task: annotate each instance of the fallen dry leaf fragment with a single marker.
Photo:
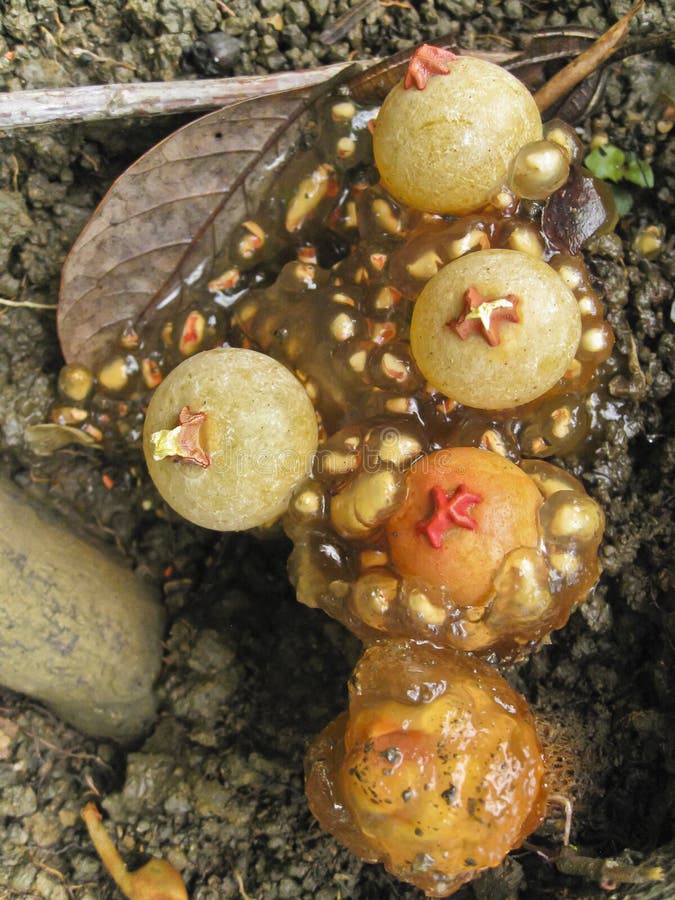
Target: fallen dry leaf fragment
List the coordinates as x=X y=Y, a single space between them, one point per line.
x=154 y=238
x=577 y=211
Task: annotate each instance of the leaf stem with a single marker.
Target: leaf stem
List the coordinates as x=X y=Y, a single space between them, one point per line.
x=586 y=63
x=27 y=304
x=607 y=872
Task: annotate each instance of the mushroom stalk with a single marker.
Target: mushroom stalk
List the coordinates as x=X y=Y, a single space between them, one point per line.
x=156 y=880
x=586 y=63
x=106 y=849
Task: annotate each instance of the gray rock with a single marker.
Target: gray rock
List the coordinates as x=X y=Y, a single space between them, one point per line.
x=18 y=801
x=225 y=49
x=16 y=223
x=77 y=630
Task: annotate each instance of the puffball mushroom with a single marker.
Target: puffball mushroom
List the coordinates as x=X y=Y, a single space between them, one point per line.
x=464 y=511
x=228 y=435
x=462 y=548
x=447 y=148
x=435 y=771
x=511 y=563
x=495 y=329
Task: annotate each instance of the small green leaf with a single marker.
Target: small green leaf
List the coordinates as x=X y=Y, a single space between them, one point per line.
x=623 y=200
x=638 y=172
x=606 y=162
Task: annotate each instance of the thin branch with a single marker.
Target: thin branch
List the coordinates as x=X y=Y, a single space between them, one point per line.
x=27 y=304
x=586 y=63
x=91 y=103
x=607 y=872
x=61 y=106
x=645 y=44
x=240 y=885
x=348 y=20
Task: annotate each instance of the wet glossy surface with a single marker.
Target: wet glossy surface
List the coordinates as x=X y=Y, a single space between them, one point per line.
x=435 y=771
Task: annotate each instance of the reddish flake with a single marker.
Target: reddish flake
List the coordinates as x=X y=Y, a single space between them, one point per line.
x=378 y=261
x=449 y=509
x=307 y=255
x=333 y=187
x=484 y=317
x=427 y=60
x=229 y=279
x=188 y=437
x=190 y=333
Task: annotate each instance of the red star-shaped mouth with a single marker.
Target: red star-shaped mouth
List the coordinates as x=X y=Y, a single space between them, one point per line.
x=484 y=317
x=189 y=436
x=427 y=60
x=449 y=509
x=183 y=441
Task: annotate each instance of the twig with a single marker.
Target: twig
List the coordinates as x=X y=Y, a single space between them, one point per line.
x=70 y=754
x=240 y=885
x=91 y=103
x=49 y=869
x=89 y=56
x=586 y=63
x=607 y=872
x=566 y=805
x=348 y=20
x=60 y=106
x=351 y=18
x=15 y=172
x=27 y=304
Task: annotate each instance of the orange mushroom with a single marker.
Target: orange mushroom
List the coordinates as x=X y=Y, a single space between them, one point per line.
x=436 y=771
x=156 y=880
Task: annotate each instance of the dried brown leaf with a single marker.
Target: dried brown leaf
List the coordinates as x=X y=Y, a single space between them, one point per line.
x=152 y=241
x=577 y=211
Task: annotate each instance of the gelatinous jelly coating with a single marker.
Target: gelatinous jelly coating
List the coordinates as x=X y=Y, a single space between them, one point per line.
x=465 y=559
x=448 y=148
x=341 y=322
x=531 y=354
x=460 y=546
x=539 y=169
x=259 y=435
x=436 y=770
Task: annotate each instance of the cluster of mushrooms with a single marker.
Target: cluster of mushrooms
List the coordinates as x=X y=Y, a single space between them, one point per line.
x=396 y=411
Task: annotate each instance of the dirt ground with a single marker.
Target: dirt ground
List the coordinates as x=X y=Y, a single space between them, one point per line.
x=248 y=675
